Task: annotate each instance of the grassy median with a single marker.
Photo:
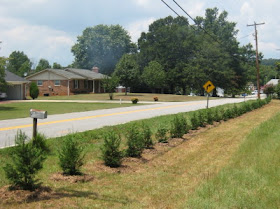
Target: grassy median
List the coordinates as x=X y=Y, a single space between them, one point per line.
x=21 y=110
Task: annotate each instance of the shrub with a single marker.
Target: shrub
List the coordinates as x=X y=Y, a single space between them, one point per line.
x=227 y=114
x=71 y=156
x=201 y=118
x=134 y=142
x=194 y=121
x=40 y=142
x=179 y=127
x=155 y=99
x=27 y=161
x=235 y=111
x=209 y=116
x=147 y=136
x=217 y=114
x=111 y=153
x=33 y=90
x=269 y=89
x=134 y=100
x=161 y=135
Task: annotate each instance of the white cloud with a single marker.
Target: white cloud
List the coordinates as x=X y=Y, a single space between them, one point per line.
x=136 y=28
x=36 y=41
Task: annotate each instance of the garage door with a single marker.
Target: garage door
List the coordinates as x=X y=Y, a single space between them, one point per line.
x=14 y=92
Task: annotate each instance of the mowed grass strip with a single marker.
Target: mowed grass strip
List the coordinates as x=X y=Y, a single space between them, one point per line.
x=21 y=110
x=167 y=181
x=251 y=180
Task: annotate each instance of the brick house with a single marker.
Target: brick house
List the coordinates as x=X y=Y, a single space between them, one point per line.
x=68 y=81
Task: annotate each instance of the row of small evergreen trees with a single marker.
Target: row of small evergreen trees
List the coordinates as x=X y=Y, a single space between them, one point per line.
x=28 y=157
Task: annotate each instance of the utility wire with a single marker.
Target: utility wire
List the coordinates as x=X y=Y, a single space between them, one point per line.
x=177 y=14
x=209 y=34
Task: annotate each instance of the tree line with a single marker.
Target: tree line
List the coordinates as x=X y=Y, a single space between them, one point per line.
x=174 y=56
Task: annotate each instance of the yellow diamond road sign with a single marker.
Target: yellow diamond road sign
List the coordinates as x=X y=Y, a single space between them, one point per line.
x=208 y=86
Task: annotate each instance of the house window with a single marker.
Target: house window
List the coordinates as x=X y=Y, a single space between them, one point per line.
x=39 y=83
x=76 y=84
x=57 y=82
x=86 y=84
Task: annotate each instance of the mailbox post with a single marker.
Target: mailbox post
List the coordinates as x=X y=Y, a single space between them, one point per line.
x=37 y=114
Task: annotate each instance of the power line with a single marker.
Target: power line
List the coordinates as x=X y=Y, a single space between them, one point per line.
x=209 y=34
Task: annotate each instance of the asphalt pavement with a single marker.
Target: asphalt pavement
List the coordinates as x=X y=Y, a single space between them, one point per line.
x=63 y=124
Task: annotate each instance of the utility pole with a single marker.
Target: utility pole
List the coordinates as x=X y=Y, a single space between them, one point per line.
x=257 y=56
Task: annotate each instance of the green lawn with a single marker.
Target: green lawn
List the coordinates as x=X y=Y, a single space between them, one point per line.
x=21 y=110
x=118 y=96
x=251 y=180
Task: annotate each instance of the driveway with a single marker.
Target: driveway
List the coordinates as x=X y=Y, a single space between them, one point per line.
x=62 y=124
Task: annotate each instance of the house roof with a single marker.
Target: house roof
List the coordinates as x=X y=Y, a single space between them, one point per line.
x=63 y=73
x=86 y=73
x=274 y=82
x=13 y=78
x=72 y=73
x=66 y=74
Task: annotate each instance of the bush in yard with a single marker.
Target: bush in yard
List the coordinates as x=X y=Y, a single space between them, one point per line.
x=111 y=153
x=147 y=136
x=71 y=156
x=40 y=142
x=27 y=160
x=269 y=90
x=161 y=135
x=134 y=100
x=134 y=142
x=179 y=127
x=194 y=121
x=33 y=90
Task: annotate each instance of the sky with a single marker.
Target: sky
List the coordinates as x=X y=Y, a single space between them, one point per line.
x=49 y=28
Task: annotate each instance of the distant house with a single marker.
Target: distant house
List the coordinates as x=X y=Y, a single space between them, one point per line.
x=68 y=81
x=274 y=82
x=16 y=89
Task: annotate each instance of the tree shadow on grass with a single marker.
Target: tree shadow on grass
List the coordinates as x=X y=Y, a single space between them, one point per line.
x=46 y=193
x=7 y=108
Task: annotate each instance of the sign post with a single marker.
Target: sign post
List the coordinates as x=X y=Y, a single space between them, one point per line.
x=208 y=86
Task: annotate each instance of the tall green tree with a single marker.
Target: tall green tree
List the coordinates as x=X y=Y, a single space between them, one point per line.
x=127 y=70
x=102 y=46
x=169 y=41
x=19 y=63
x=154 y=75
x=3 y=83
x=110 y=84
x=56 y=66
x=42 y=65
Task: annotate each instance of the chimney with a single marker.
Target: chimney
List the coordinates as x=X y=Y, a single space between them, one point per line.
x=95 y=69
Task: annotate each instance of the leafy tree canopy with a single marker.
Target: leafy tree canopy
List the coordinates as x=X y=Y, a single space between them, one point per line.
x=102 y=46
x=3 y=83
x=42 y=65
x=19 y=63
x=127 y=70
x=154 y=75
x=56 y=66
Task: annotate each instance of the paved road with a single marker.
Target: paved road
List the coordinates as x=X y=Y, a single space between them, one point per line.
x=62 y=124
